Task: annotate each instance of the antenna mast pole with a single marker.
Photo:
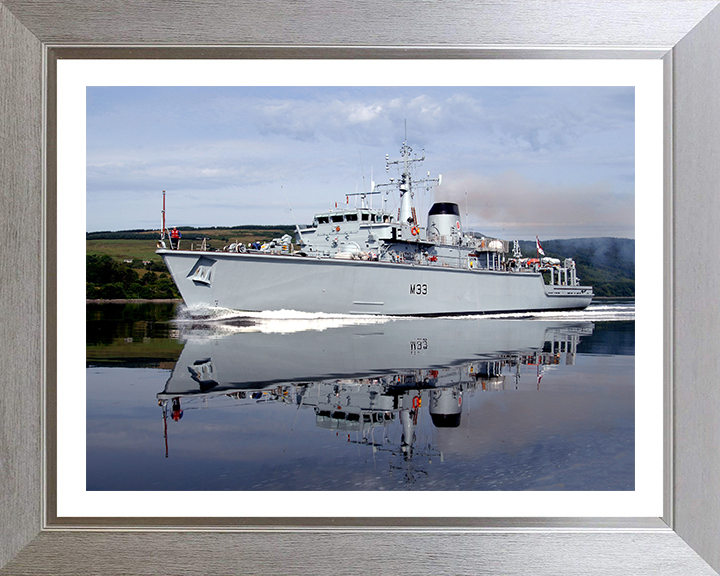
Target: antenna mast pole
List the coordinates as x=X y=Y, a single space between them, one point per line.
x=406 y=185
x=162 y=232
x=293 y=215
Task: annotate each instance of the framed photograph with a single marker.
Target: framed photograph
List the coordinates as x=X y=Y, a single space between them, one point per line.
x=412 y=385
x=673 y=530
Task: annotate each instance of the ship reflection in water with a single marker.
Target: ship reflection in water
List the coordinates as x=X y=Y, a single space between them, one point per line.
x=437 y=404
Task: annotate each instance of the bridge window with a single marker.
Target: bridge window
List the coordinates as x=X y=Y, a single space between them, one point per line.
x=323 y=220
x=351 y=217
x=365 y=216
x=337 y=218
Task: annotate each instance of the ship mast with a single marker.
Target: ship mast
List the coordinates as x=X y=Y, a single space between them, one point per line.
x=162 y=231
x=406 y=185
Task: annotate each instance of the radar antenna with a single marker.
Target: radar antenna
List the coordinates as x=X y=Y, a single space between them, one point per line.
x=405 y=183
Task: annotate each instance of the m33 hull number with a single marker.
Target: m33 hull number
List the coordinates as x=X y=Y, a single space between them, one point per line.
x=418 y=289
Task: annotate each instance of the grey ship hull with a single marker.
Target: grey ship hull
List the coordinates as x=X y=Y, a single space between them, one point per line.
x=260 y=282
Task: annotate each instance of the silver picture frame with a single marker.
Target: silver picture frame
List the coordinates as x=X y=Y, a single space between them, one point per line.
x=685 y=34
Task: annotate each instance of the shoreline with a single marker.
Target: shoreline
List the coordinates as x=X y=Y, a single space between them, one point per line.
x=613 y=298
x=132 y=300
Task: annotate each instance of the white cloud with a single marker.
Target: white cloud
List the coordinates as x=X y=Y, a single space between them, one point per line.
x=236 y=145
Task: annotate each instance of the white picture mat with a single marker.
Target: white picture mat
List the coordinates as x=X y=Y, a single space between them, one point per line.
x=73 y=78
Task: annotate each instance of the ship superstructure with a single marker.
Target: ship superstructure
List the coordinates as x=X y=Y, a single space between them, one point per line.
x=367 y=260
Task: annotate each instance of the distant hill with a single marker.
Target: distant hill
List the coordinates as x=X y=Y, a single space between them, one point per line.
x=606 y=264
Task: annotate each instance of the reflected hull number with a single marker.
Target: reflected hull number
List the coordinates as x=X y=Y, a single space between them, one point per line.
x=418 y=289
x=418 y=345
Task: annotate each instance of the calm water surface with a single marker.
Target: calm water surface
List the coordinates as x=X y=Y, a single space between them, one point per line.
x=543 y=402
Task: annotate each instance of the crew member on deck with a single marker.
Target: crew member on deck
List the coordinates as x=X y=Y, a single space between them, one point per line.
x=175 y=239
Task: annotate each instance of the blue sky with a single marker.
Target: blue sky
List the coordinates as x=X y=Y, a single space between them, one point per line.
x=558 y=162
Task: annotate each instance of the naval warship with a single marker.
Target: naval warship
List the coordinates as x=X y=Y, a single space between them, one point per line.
x=367 y=260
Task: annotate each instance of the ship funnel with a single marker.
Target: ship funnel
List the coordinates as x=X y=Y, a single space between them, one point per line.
x=444 y=220
x=446 y=407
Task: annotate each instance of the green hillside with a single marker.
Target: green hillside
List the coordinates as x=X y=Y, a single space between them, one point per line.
x=606 y=264
x=120 y=249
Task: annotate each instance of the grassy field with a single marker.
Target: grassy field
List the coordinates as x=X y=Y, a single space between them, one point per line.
x=145 y=249
x=123 y=249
